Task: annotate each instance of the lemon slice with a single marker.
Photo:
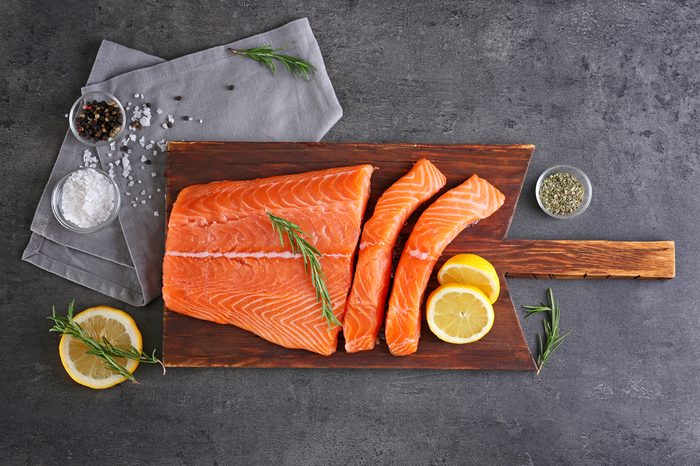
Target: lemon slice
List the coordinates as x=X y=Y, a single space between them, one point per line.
x=118 y=328
x=470 y=269
x=459 y=313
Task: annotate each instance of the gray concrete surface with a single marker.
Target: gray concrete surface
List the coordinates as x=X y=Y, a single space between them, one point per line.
x=609 y=86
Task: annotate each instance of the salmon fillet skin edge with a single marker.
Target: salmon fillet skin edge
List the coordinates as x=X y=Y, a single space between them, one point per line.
x=364 y=311
x=225 y=263
x=442 y=221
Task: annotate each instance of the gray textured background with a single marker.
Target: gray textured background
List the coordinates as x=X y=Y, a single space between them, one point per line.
x=611 y=87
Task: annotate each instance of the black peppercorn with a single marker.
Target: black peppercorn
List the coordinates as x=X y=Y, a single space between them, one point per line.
x=99 y=120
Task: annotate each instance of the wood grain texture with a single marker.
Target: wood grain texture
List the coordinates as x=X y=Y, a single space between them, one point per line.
x=196 y=343
x=562 y=259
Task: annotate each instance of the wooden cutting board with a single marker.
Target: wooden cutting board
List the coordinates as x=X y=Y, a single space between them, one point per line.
x=191 y=342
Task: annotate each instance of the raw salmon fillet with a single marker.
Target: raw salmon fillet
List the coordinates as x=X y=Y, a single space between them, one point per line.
x=224 y=262
x=458 y=208
x=364 y=311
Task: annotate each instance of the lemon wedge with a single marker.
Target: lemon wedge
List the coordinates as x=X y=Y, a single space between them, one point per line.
x=470 y=269
x=459 y=313
x=99 y=322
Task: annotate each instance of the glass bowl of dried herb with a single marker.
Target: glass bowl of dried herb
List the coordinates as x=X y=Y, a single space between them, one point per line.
x=97 y=119
x=563 y=191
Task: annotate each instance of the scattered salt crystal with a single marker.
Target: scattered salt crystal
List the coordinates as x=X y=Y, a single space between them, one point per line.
x=126 y=166
x=159 y=111
x=143 y=201
x=155 y=213
x=153 y=174
x=141 y=167
x=148 y=146
x=143 y=158
x=162 y=145
x=128 y=104
x=155 y=152
x=143 y=192
x=132 y=136
x=158 y=190
x=117 y=162
x=149 y=196
x=136 y=96
x=65 y=116
x=131 y=177
x=128 y=193
x=130 y=183
x=87 y=198
x=133 y=204
x=109 y=154
x=139 y=181
x=164 y=125
x=113 y=145
x=89 y=160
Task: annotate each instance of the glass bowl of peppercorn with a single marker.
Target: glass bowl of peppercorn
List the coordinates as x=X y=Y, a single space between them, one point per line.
x=563 y=191
x=97 y=118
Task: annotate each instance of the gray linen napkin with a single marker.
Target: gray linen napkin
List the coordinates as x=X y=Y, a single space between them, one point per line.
x=123 y=260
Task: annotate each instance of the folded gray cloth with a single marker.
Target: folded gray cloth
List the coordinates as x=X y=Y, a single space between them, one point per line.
x=123 y=260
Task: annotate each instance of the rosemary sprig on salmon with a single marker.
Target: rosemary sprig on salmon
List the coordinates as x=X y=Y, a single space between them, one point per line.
x=312 y=265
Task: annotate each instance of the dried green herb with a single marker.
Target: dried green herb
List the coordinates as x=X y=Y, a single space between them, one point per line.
x=561 y=193
x=552 y=335
x=266 y=55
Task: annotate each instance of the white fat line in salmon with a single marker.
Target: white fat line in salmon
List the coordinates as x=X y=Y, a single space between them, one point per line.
x=418 y=254
x=245 y=255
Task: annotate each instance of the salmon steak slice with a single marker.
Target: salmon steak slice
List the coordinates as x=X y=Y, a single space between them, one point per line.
x=225 y=263
x=460 y=207
x=364 y=311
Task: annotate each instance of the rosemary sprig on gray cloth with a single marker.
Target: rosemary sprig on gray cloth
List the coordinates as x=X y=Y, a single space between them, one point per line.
x=311 y=263
x=267 y=56
x=552 y=336
x=103 y=349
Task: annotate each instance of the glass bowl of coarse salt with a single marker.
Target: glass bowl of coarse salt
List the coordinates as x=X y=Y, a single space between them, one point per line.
x=85 y=200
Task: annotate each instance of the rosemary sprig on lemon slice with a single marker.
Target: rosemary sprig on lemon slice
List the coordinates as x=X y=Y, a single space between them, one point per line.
x=100 y=347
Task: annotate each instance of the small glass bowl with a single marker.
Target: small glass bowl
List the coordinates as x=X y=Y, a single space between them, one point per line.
x=587 y=190
x=77 y=106
x=56 y=197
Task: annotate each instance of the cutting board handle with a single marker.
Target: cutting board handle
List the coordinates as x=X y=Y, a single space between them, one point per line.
x=565 y=259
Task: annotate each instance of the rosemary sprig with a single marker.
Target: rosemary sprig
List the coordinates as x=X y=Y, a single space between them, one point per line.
x=267 y=56
x=311 y=263
x=552 y=336
x=103 y=349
